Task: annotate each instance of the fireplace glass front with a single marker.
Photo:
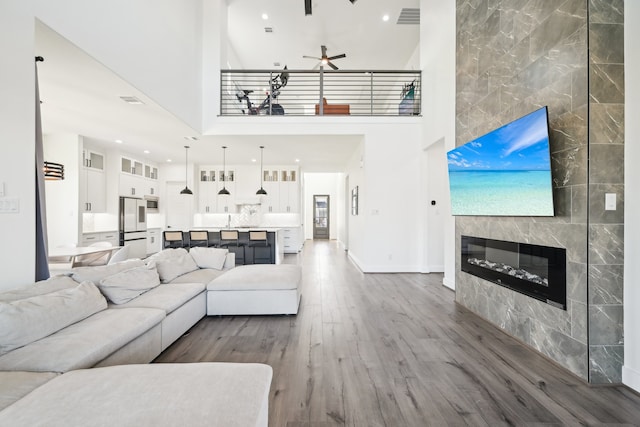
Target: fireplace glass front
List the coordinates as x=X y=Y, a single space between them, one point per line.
x=533 y=270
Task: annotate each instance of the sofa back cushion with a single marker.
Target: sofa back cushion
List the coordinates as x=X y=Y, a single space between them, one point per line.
x=96 y=273
x=42 y=287
x=170 y=268
x=166 y=254
x=27 y=320
x=209 y=257
x=129 y=284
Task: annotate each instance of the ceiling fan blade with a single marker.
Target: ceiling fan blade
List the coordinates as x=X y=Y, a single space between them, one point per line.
x=311 y=57
x=330 y=64
x=342 y=55
x=317 y=66
x=324 y=50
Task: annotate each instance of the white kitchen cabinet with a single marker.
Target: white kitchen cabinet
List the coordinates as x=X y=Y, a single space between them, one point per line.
x=104 y=236
x=154 y=240
x=207 y=196
x=292 y=240
x=226 y=203
x=137 y=179
x=289 y=191
x=92 y=185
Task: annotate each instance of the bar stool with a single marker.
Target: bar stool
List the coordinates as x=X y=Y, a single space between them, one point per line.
x=198 y=238
x=172 y=239
x=261 y=247
x=229 y=239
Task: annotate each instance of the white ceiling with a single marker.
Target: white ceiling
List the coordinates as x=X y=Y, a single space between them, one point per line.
x=81 y=96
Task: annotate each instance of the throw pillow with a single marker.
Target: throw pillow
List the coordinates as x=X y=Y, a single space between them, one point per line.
x=42 y=287
x=96 y=273
x=170 y=268
x=127 y=285
x=166 y=254
x=209 y=257
x=33 y=318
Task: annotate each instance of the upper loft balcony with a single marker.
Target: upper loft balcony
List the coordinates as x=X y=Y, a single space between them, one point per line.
x=320 y=93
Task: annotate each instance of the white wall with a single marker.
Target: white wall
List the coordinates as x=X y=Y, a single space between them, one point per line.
x=17 y=110
x=631 y=368
x=63 y=196
x=323 y=184
x=438 y=60
x=155 y=45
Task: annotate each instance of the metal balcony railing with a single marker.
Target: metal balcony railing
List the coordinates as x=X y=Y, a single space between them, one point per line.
x=300 y=92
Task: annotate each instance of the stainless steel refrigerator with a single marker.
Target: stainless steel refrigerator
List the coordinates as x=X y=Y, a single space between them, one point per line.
x=133 y=226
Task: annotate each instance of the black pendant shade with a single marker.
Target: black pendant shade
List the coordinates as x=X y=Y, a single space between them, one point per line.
x=186 y=190
x=224 y=191
x=261 y=191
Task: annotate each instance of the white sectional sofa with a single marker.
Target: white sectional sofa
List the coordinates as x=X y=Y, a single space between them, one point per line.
x=142 y=317
x=121 y=314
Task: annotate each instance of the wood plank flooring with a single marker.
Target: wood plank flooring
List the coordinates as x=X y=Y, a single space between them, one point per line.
x=395 y=350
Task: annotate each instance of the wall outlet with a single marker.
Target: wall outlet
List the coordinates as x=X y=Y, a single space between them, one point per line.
x=610 y=201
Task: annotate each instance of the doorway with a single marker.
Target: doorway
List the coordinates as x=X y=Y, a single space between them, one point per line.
x=178 y=207
x=321 y=216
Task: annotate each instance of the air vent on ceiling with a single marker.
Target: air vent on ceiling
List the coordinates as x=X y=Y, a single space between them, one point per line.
x=131 y=100
x=268 y=29
x=276 y=64
x=409 y=16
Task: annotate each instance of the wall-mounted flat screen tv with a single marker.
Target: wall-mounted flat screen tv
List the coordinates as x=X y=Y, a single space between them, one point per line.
x=506 y=172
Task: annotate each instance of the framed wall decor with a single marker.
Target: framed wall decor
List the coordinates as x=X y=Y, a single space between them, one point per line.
x=354 y=201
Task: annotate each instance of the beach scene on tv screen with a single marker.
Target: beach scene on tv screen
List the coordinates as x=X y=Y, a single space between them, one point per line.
x=506 y=172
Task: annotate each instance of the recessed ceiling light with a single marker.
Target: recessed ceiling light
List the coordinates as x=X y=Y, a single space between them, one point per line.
x=297 y=160
x=265 y=16
x=253 y=160
x=146 y=151
x=168 y=160
x=118 y=141
x=385 y=18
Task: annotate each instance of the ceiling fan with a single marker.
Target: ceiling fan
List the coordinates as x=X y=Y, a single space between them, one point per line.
x=324 y=60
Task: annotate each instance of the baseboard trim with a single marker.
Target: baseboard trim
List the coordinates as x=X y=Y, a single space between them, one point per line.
x=449 y=283
x=631 y=378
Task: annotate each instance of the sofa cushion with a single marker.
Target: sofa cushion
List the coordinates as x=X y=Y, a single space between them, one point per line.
x=166 y=254
x=164 y=394
x=170 y=268
x=209 y=257
x=16 y=385
x=166 y=297
x=33 y=318
x=129 y=284
x=96 y=273
x=53 y=284
x=258 y=277
x=202 y=275
x=83 y=344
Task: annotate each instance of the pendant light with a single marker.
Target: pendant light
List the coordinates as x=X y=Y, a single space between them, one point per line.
x=261 y=191
x=186 y=190
x=224 y=190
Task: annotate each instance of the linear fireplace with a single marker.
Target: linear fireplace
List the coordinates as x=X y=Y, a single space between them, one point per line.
x=537 y=271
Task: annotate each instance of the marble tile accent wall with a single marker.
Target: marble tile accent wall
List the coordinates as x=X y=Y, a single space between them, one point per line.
x=514 y=56
x=606 y=175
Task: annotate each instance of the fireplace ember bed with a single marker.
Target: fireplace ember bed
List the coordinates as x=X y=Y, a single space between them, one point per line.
x=537 y=271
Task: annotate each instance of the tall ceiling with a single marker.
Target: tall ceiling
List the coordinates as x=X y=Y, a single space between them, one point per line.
x=81 y=96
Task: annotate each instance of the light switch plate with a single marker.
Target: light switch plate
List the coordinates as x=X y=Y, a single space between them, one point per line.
x=9 y=205
x=610 y=201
